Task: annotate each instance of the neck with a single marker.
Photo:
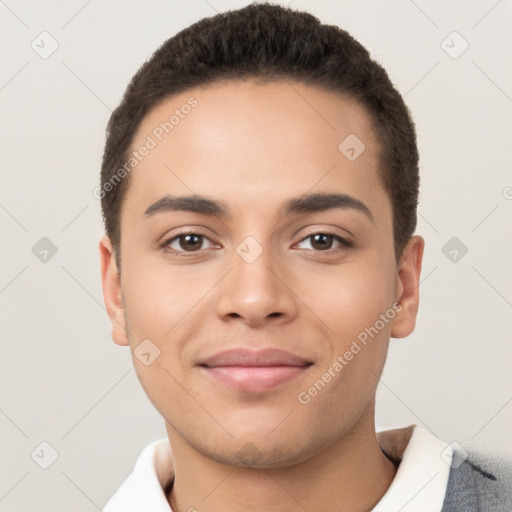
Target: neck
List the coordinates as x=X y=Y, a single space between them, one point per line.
x=350 y=475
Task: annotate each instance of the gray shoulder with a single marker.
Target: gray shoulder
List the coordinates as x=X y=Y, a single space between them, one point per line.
x=479 y=482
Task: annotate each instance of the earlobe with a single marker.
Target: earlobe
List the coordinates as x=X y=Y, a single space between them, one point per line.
x=408 y=280
x=112 y=296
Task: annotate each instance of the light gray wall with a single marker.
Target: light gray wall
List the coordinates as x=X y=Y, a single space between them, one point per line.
x=63 y=381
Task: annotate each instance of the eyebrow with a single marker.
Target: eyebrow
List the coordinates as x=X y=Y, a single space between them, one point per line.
x=309 y=203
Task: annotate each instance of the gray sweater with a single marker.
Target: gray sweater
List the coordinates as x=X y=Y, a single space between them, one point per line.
x=478 y=484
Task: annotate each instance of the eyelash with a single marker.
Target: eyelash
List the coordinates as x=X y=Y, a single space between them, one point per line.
x=186 y=254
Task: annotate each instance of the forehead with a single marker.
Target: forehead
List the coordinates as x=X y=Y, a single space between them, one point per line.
x=248 y=143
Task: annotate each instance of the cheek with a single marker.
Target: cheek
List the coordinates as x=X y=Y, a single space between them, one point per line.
x=164 y=305
x=158 y=305
x=357 y=305
x=157 y=299
x=352 y=298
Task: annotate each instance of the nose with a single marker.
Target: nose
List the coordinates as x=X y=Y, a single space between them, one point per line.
x=257 y=293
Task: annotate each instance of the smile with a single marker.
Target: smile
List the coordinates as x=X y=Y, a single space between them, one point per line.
x=254 y=372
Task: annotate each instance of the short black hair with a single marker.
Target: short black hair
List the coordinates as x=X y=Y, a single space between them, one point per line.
x=268 y=42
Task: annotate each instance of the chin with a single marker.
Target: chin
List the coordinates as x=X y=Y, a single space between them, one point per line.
x=257 y=450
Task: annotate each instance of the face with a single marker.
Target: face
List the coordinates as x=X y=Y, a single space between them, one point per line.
x=265 y=306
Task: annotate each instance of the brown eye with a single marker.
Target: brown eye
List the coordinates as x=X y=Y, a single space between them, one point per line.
x=321 y=241
x=325 y=242
x=190 y=242
x=185 y=243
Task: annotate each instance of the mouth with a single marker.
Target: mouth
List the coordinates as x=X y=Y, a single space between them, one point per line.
x=254 y=371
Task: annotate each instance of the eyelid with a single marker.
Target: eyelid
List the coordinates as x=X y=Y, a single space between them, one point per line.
x=344 y=242
x=329 y=229
x=311 y=230
x=164 y=244
x=186 y=230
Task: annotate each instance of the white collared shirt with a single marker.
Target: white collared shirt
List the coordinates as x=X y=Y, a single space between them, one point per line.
x=419 y=484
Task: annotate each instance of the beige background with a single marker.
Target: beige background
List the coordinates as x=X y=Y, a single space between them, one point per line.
x=64 y=382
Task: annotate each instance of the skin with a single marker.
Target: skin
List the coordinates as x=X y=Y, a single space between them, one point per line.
x=254 y=147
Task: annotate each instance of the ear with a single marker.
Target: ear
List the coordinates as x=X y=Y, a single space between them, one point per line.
x=408 y=282
x=111 y=281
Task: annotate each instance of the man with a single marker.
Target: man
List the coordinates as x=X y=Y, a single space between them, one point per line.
x=259 y=189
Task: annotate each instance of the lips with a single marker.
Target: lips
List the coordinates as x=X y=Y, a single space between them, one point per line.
x=254 y=371
x=249 y=358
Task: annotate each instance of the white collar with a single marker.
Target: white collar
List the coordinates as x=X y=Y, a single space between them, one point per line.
x=422 y=477
x=419 y=484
